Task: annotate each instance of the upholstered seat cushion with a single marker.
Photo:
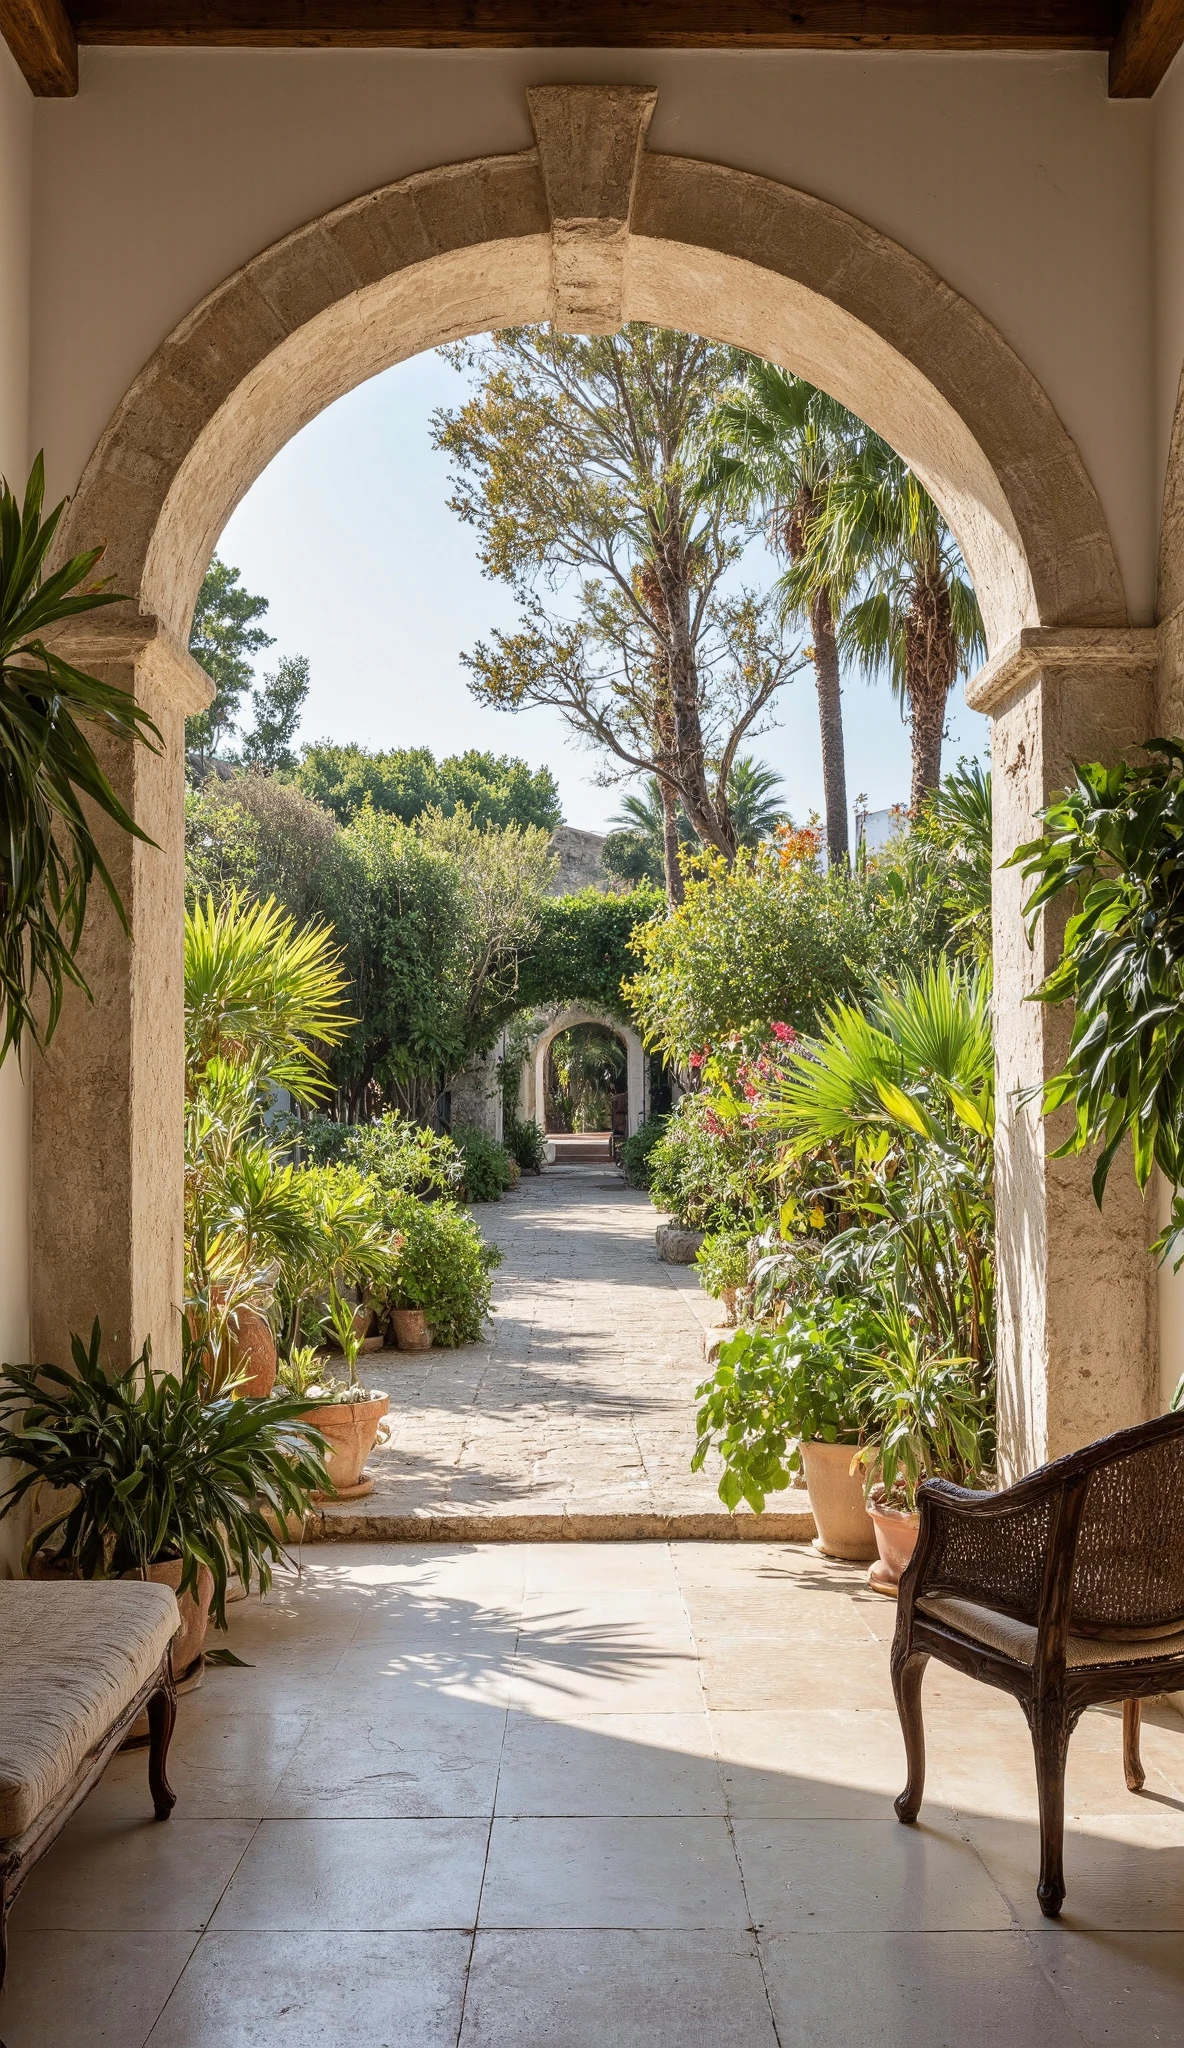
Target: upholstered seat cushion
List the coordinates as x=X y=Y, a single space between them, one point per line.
x=73 y=1654
x=1017 y=1639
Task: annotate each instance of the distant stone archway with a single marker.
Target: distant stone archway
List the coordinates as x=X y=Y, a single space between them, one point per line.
x=532 y=1100
x=588 y=229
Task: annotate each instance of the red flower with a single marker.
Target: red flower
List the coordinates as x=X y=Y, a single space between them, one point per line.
x=784 y=1033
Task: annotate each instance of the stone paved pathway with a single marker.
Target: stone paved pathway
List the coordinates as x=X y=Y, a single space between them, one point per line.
x=576 y=1417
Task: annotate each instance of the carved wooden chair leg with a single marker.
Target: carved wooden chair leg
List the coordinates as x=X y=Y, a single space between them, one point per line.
x=906 y=1684
x=1132 y=1762
x=162 y=1713
x=5 y=1903
x=1051 y=1728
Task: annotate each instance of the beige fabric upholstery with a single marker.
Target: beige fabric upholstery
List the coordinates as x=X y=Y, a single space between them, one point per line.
x=73 y=1653
x=1017 y=1639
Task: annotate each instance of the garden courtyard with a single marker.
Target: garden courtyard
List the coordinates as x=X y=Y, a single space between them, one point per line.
x=575 y=1414
x=597 y=1796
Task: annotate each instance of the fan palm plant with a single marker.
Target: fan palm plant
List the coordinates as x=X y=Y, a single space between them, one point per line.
x=902 y=1100
x=882 y=545
x=777 y=443
x=49 y=773
x=753 y=799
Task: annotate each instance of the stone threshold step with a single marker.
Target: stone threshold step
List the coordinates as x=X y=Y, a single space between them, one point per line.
x=365 y=1522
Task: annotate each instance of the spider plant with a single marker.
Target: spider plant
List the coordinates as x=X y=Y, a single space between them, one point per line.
x=924 y=1418
x=49 y=773
x=152 y=1470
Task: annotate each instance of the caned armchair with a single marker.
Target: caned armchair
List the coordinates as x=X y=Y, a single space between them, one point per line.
x=1065 y=1590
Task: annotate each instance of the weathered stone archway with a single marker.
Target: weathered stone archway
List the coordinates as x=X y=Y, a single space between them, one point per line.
x=589 y=228
x=534 y=1072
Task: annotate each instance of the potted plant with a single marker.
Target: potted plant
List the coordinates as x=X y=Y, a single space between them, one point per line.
x=440 y=1271
x=346 y=1414
x=794 y=1400
x=157 y=1480
x=722 y=1261
x=924 y=1422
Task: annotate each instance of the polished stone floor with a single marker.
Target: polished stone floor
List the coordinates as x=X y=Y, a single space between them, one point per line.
x=597 y=1796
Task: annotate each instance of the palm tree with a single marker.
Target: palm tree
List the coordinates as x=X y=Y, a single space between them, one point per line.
x=754 y=808
x=777 y=443
x=882 y=544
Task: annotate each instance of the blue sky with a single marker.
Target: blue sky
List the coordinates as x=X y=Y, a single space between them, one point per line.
x=349 y=536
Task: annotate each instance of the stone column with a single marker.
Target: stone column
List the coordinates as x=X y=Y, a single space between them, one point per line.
x=1076 y=1288
x=108 y=1097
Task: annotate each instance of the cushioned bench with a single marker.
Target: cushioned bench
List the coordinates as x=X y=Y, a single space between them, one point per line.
x=79 y=1661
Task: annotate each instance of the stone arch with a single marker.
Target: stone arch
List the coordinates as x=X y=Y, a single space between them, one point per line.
x=534 y=1073
x=588 y=229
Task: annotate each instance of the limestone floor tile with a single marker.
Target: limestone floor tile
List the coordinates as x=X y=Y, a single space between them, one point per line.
x=364 y=1876
x=71 y=1990
x=440 y=1762
x=1118 y=1988
x=837 y=1763
x=616 y=1990
x=318 y=1991
x=836 y=1876
x=913 y=1991
x=609 y=1674
x=105 y=1876
x=592 y=1568
x=609 y=1764
x=742 y=1675
x=279 y=1678
x=220 y=1764
x=1121 y=1870
x=387 y=1679
x=985 y=1766
x=612 y=1873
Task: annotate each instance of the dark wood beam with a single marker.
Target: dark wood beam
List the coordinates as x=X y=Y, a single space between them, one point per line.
x=1149 y=35
x=619 y=24
x=41 y=38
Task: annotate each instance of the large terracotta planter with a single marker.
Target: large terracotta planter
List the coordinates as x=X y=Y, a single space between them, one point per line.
x=350 y=1427
x=896 y=1539
x=836 y=1496
x=412 y=1331
x=251 y=1345
x=189 y=1641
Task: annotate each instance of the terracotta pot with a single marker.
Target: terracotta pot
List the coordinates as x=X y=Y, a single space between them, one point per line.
x=836 y=1496
x=411 y=1329
x=896 y=1539
x=189 y=1641
x=351 y=1427
x=251 y=1345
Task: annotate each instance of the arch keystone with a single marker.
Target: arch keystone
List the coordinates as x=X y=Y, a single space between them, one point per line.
x=590 y=140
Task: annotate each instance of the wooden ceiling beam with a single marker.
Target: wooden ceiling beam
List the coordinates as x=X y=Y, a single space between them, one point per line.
x=41 y=37
x=1149 y=35
x=619 y=24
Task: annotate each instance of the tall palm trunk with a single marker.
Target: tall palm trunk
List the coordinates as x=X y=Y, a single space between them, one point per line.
x=674 y=882
x=931 y=665
x=830 y=725
x=826 y=679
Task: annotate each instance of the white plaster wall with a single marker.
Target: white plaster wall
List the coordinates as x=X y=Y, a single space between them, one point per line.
x=16 y=145
x=1015 y=177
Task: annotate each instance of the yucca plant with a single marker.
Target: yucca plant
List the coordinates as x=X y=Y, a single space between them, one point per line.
x=49 y=773
x=258 y=992
x=924 y=1417
x=151 y=1470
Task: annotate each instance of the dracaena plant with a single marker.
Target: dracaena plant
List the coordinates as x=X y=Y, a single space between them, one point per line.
x=50 y=778
x=1115 y=843
x=924 y=1417
x=151 y=1470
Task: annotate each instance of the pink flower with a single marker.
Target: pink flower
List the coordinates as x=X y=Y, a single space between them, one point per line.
x=784 y=1034
x=695 y=1062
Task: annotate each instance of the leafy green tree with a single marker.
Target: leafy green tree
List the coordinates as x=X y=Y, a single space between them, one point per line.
x=277 y=704
x=495 y=789
x=575 y=462
x=779 y=938
x=259 y=836
x=883 y=547
x=223 y=638
x=777 y=443
x=500 y=876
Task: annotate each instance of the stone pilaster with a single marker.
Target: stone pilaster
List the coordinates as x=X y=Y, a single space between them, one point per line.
x=590 y=140
x=108 y=1097
x=1076 y=1288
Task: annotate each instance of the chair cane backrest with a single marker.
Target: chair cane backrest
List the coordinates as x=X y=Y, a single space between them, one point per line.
x=1129 y=1568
